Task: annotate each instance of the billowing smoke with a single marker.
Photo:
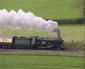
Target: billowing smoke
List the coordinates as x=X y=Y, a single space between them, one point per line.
x=17 y=20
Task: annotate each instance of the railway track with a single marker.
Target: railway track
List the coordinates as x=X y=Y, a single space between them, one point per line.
x=26 y=50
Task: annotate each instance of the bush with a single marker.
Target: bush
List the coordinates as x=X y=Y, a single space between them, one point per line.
x=75 y=45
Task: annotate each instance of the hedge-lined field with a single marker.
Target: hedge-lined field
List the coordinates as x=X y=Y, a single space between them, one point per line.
x=48 y=9
x=73 y=35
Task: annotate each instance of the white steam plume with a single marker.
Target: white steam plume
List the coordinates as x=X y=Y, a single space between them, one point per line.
x=17 y=20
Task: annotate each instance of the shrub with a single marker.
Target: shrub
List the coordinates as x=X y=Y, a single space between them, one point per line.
x=75 y=45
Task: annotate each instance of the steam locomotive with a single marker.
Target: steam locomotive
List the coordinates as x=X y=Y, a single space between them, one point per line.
x=33 y=42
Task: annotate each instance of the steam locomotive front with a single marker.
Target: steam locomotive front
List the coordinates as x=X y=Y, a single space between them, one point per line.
x=48 y=43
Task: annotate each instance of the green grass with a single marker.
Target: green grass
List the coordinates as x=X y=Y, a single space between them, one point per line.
x=48 y=9
x=72 y=32
x=40 y=60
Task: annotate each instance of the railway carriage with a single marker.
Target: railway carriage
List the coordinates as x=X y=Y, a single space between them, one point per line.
x=6 y=41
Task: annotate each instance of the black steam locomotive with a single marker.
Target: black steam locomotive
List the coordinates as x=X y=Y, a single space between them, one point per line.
x=33 y=42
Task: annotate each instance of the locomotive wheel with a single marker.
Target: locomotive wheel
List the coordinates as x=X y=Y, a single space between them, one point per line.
x=35 y=47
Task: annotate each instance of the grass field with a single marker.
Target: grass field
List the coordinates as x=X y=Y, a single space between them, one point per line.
x=48 y=9
x=41 y=60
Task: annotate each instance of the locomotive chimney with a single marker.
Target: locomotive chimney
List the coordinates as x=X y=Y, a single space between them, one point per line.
x=57 y=30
